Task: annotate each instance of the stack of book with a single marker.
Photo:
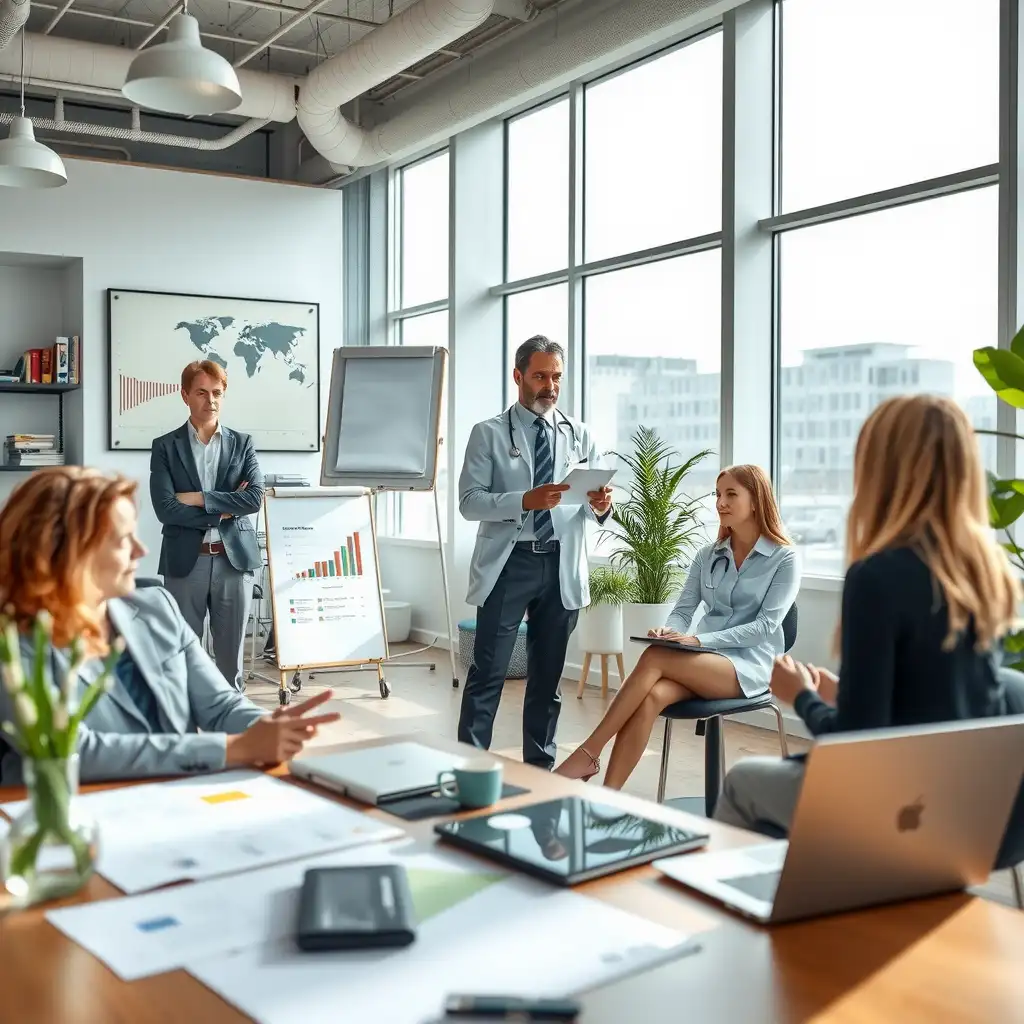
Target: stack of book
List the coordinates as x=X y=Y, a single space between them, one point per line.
x=32 y=450
x=59 y=364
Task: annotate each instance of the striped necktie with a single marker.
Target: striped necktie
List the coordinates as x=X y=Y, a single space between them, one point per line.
x=543 y=473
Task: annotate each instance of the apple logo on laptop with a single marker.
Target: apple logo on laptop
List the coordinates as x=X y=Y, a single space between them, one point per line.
x=909 y=818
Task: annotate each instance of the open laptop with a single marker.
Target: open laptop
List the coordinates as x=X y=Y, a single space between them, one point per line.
x=883 y=815
x=375 y=775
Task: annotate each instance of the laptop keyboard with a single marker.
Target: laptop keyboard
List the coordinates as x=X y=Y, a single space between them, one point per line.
x=761 y=886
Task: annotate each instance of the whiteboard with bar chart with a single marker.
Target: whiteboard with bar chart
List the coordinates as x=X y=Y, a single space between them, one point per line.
x=324 y=577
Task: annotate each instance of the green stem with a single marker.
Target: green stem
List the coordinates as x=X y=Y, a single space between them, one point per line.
x=23 y=857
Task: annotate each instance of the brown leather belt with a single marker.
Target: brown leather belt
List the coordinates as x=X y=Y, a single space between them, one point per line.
x=216 y=548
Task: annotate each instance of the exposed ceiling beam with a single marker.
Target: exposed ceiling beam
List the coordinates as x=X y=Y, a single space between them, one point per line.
x=121 y=19
x=269 y=5
x=159 y=27
x=60 y=14
x=295 y=19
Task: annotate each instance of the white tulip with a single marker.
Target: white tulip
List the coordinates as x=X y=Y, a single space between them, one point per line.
x=60 y=717
x=45 y=619
x=70 y=684
x=14 y=679
x=25 y=710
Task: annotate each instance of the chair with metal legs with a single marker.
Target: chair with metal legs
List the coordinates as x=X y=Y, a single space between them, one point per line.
x=708 y=715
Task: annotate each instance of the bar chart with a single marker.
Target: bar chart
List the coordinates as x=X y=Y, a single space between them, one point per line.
x=345 y=561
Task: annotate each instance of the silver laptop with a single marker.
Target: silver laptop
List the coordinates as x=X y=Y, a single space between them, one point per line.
x=375 y=775
x=883 y=815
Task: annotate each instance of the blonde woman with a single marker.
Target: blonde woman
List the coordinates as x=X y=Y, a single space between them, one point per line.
x=747 y=580
x=928 y=594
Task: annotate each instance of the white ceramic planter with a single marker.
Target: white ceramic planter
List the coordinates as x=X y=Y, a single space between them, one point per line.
x=600 y=629
x=636 y=620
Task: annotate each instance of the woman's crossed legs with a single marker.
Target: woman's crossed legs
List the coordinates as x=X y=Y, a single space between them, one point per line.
x=661 y=678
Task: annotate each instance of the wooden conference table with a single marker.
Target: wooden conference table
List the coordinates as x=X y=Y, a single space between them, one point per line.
x=953 y=958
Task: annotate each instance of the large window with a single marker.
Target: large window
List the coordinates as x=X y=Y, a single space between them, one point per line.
x=880 y=93
x=419 y=261
x=537 y=160
x=653 y=161
x=889 y=301
x=644 y=288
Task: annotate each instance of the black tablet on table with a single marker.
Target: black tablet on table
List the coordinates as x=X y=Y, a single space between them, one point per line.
x=571 y=840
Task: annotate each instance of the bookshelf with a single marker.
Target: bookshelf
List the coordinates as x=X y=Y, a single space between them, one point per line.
x=60 y=390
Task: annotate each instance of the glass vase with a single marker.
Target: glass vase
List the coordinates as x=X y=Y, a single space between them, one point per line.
x=52 y=845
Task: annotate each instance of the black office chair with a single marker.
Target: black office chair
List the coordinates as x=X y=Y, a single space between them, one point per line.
x=709 y=715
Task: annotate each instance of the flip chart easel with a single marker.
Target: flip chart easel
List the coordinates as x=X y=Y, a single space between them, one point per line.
x=324 y=570
x=384 y=430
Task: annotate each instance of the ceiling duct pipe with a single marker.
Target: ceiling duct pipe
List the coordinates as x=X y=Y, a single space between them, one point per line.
x=548 y=54
x=74 y=66
x=409 y=37
x=13 y=14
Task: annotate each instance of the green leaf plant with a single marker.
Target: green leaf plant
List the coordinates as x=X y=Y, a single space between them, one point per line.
x=1003 y=370
x=658 y=525
x=44 y=728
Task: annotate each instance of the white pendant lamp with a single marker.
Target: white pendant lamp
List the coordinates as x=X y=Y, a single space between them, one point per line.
x=25 y=163
x=180 y=76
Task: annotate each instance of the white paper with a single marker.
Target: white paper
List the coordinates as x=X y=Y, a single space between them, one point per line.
x=136 y=936
x=385 y=416
x=517 y=936
x=581 y=480
x=201 y=827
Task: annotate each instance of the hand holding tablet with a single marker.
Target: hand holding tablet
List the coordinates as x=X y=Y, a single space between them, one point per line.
x=580 y=481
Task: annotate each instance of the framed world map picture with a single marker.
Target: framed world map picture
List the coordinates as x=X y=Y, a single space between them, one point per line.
x=270 y=350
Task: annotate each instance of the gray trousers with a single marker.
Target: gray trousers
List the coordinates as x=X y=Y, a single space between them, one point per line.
x=215 y=585
x=759 y=792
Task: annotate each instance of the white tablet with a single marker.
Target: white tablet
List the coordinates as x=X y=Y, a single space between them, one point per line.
x=581 y=480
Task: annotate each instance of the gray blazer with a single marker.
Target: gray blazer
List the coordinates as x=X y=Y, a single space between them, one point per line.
x=115 y=741
x=491 y=490
x=744 y=607
x=172 y=469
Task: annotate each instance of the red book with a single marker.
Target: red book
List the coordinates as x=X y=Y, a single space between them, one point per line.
x=37 y=373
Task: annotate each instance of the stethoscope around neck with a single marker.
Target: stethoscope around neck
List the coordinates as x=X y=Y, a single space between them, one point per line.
x=514 y=449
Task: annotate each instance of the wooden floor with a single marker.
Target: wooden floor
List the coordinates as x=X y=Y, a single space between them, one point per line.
x=422 y=699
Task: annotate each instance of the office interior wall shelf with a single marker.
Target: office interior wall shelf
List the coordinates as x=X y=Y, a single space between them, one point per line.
x=60 y=390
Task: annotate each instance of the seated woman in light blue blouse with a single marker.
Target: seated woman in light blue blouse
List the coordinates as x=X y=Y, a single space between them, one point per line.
x=747 y=580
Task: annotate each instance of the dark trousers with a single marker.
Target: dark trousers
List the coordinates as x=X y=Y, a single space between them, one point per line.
x=527 y=584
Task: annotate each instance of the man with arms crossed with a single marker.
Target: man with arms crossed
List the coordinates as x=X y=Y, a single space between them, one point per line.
x=531 y=553
x=205 y=482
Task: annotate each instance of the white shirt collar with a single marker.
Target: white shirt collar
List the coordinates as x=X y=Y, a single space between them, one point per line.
x=528 y=417
x=194 y=434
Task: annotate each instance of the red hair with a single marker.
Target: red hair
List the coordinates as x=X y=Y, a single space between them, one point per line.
x=50 y=528
x=207 y=366
x=754 y=480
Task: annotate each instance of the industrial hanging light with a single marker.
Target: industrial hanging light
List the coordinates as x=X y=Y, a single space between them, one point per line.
x=25 y=163
x=180 y=76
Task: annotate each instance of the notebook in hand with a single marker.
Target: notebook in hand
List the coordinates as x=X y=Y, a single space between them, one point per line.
x=674 y=645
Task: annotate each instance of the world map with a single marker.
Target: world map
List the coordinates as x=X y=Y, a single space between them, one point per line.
x=251 y=342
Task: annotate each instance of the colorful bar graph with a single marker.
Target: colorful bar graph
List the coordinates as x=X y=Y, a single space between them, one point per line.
x=346 y=561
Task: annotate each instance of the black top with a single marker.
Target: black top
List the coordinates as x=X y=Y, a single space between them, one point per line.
x=895 y=670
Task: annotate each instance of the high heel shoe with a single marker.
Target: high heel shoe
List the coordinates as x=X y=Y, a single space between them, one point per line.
x=595 y=766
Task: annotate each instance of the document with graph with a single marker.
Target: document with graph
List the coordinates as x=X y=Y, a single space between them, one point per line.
x=324 y=577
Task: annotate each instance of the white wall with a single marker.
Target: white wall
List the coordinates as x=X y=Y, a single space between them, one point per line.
x=139 y=227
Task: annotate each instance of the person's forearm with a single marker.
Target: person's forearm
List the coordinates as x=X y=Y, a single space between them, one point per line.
x=819 y=717
x=172 y=512
x=242 y=502
x=105 y=755
x=479 y=506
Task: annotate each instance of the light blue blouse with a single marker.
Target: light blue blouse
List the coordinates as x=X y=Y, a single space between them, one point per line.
x=745 y=607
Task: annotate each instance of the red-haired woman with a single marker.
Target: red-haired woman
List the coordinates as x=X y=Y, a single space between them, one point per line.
x=68 y=546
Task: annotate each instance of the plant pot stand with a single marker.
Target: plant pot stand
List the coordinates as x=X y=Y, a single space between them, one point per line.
x=585 y=671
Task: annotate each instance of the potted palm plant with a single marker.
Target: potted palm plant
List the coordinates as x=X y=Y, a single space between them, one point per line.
x=1003 y=371
x=600 y=629
x=654 y=531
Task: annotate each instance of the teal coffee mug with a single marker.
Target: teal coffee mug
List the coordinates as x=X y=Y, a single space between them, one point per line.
x=477 y=784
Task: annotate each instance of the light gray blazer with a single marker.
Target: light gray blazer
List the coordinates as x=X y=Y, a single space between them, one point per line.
x=491 y=490
x=744 y=607
x=115 y=741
